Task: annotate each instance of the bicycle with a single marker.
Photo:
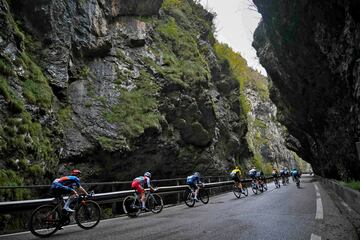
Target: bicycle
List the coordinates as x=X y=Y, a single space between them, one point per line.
x=263 y=184
x=255 y=186
x=132 y=204
x=238 y=191
x=189 y=196
x=297 y=180
x=277 y=183
x=47 y=219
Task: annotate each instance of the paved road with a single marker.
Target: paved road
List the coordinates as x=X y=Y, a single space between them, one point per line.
x=285 y=213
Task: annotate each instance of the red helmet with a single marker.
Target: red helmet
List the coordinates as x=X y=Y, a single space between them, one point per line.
x=75 y=172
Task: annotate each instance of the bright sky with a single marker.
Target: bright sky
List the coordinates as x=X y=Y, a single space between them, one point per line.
x=235 y=22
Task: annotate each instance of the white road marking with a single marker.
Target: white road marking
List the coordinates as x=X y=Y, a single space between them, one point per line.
x=319 y=206
x=315 y=237
x=347 y=206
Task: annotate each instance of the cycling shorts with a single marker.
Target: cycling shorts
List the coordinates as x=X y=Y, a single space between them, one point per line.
x=57 y=192
x=193 y=186
x=236 y=178
x=137 y=186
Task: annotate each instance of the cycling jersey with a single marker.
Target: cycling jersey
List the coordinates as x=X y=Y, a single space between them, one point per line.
x=139 y=183
x=67 y=183
x=143 y=180
x=282 y=172
x=275 y=173
x=192 y=180
x=294 y=173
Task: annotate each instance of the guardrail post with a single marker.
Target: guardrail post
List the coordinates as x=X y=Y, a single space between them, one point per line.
x=113 y=205
x=179 y=194
x=209 y=181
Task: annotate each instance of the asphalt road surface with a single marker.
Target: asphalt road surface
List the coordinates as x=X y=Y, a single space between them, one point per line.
x=287 y=213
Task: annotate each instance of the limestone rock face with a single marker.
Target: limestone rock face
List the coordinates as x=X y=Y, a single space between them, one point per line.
x=132 y=87
x=310 y=50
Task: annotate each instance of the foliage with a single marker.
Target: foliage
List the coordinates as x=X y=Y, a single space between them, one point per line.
x=10 y=178
x=237 y=67
x=353 y=184
x=36 y=87
x=137 y=109
x=184 y=64
x=65 y=114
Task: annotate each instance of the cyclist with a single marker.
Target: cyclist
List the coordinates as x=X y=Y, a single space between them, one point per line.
x=67 y=185
x=260 y=177
x=252 y=174
x=295 y=173
x=283 y=175
x=287 y=174
x=138 y=184
x=235 y=175
x=193 y=181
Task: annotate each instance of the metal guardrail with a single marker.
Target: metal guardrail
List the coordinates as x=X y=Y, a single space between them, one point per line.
x=7 y=207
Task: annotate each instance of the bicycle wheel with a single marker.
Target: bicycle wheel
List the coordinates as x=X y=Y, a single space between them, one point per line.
x=88 y=214
x=45 y=220
x=132 y=206
x=265 y=186
x=254 y=188
x=155 y=203
x=245 y=191
x=203 y=196
x=188 y=198
x=236 y=191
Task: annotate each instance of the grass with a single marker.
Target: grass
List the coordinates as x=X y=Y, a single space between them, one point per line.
x=353 y=184
x=137 y=109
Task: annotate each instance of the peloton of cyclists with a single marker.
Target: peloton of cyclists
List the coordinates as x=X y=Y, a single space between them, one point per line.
x=67 y=185
x=139 y=184
x=235 y=175
x=193 y=182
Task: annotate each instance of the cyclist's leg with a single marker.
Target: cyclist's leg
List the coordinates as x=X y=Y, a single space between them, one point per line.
x=59 y=192
x=140 y=190
x=196 y=192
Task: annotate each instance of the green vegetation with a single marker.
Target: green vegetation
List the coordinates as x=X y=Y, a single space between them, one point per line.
x=65 y=114
x=259 y=163
x=137 y=109
x=10 y=178
x=110 y=144
x=36 y=87
x=5 y=68
x=353 y=184
x=237 y=67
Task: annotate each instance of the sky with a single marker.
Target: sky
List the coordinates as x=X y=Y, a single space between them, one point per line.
x=235 y=23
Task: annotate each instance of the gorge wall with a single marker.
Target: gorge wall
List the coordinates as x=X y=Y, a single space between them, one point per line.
x=310 y=50
x=114 y=88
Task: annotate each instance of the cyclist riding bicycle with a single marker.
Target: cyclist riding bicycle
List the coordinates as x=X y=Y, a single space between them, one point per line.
x=68 y=185
x=252 y=174
x=275 y=173
x=260 y=177
x=193 y=181
x=287 y=174
x=295 y=173
x=138 y=184
x=282 y=174
x=235 y=175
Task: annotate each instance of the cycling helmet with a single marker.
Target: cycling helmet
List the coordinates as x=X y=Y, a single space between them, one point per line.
x=147 y=174
x=75 y=172
x=196 y=174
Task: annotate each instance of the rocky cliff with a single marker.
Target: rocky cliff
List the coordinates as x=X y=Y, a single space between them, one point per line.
x=310 y=50
x=114 y=88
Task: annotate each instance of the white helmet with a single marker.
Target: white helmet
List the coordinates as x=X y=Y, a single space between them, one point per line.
x=196 y=174
x=147 y=174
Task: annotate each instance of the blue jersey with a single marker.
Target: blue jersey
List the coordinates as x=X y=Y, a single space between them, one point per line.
x=67 y=182
x=192 y=180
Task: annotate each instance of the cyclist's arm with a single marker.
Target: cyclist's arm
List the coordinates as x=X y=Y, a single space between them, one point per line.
x=82 y=190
